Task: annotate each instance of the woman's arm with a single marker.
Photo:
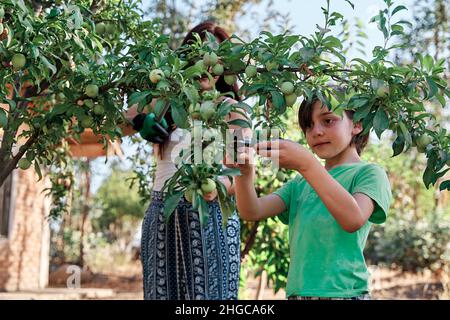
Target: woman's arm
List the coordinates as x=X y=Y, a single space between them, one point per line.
x=127 y=127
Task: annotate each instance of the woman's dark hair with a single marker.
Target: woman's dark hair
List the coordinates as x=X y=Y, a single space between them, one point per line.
x=305 y=121
x=221 y=86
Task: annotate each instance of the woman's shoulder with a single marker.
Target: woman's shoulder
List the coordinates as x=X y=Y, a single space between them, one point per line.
x=229 y=100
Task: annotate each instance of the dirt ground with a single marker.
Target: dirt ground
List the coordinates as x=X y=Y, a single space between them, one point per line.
x=125 y=283
x=386 y=284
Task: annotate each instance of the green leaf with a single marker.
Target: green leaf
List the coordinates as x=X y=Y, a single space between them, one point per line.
x=350 y=3
x=428 y=176
x=171 y=203
x=224 y=109
x=362 y=111
x=382 y=25
x=38 y=170
x=203 y=211
x=179 y=115
x=191 y=93
x=3 y=118
x=380 y=122
x=244 y=106
x=159 y=107
x=428 y=62
x=48 y=64
x=415 y=107
x=240 y=123
x=445 y=185
x=364 y=63
x=398 y=145
x=278 y=101
x=405 y=133
x=192 y=71
x=432 y=86
x=137 y=97
x=397 y=9
x=332 y=42
x=397 y=30
x=230 y=172
x=59 y=109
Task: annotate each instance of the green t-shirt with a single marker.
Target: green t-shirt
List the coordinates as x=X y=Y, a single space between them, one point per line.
x=326 y=260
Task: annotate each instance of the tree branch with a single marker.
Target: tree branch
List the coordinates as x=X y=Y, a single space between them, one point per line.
x=250 y=240
x=12 y=163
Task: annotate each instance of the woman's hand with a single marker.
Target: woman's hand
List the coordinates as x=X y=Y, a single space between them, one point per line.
x=290 y=155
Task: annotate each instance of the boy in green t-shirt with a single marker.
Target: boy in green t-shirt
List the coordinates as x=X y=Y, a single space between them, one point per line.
x=329 y=209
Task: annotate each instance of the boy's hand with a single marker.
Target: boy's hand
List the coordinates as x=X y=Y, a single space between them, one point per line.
x=290 y=154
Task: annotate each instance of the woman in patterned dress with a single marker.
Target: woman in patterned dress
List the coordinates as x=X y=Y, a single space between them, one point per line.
x=182 y=259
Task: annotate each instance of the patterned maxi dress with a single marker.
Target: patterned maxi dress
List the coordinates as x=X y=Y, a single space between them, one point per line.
x=181 y=259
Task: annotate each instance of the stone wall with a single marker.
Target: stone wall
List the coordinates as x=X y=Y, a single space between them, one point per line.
x=24 y=254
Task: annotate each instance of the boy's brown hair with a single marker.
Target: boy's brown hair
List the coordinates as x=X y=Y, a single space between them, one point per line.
x=305 y=120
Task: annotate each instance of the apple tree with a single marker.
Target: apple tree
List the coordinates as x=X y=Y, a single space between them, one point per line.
x=68 y=67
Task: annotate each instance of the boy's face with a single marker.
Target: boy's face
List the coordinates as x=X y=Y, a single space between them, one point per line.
x=329 y=134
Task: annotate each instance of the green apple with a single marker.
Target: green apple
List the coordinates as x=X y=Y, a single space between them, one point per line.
x=208 y=186
x=91 y=90
x=251 y=71
x=189 y=194
x=87 y=122
x=287 y=87
x=1 y=28
x=194 y=111
x=207 y=109
x=217 y=69
x=89 y=103
x=230 y=79
x=281 y=176
x=210 y=59
x=110 y=29
x=382 y=91
x=423 y=140
x=271 y=65
x=290 y=99
x=100 y=28
x=99 y=110
x=421 y=149
x=18 y=61
x=24 y=163
x=380 y=87
x=156 y=75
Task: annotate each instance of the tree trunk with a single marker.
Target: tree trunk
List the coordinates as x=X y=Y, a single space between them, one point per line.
x=85 y=213
x=261 y=285
x=250 y=240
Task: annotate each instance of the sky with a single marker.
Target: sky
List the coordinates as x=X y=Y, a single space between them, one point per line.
x=304 y=16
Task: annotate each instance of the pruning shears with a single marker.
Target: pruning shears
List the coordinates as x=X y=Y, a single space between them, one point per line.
x=151 y=127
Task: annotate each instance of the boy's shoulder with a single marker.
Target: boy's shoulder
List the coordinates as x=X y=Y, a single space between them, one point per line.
x=370 y=166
